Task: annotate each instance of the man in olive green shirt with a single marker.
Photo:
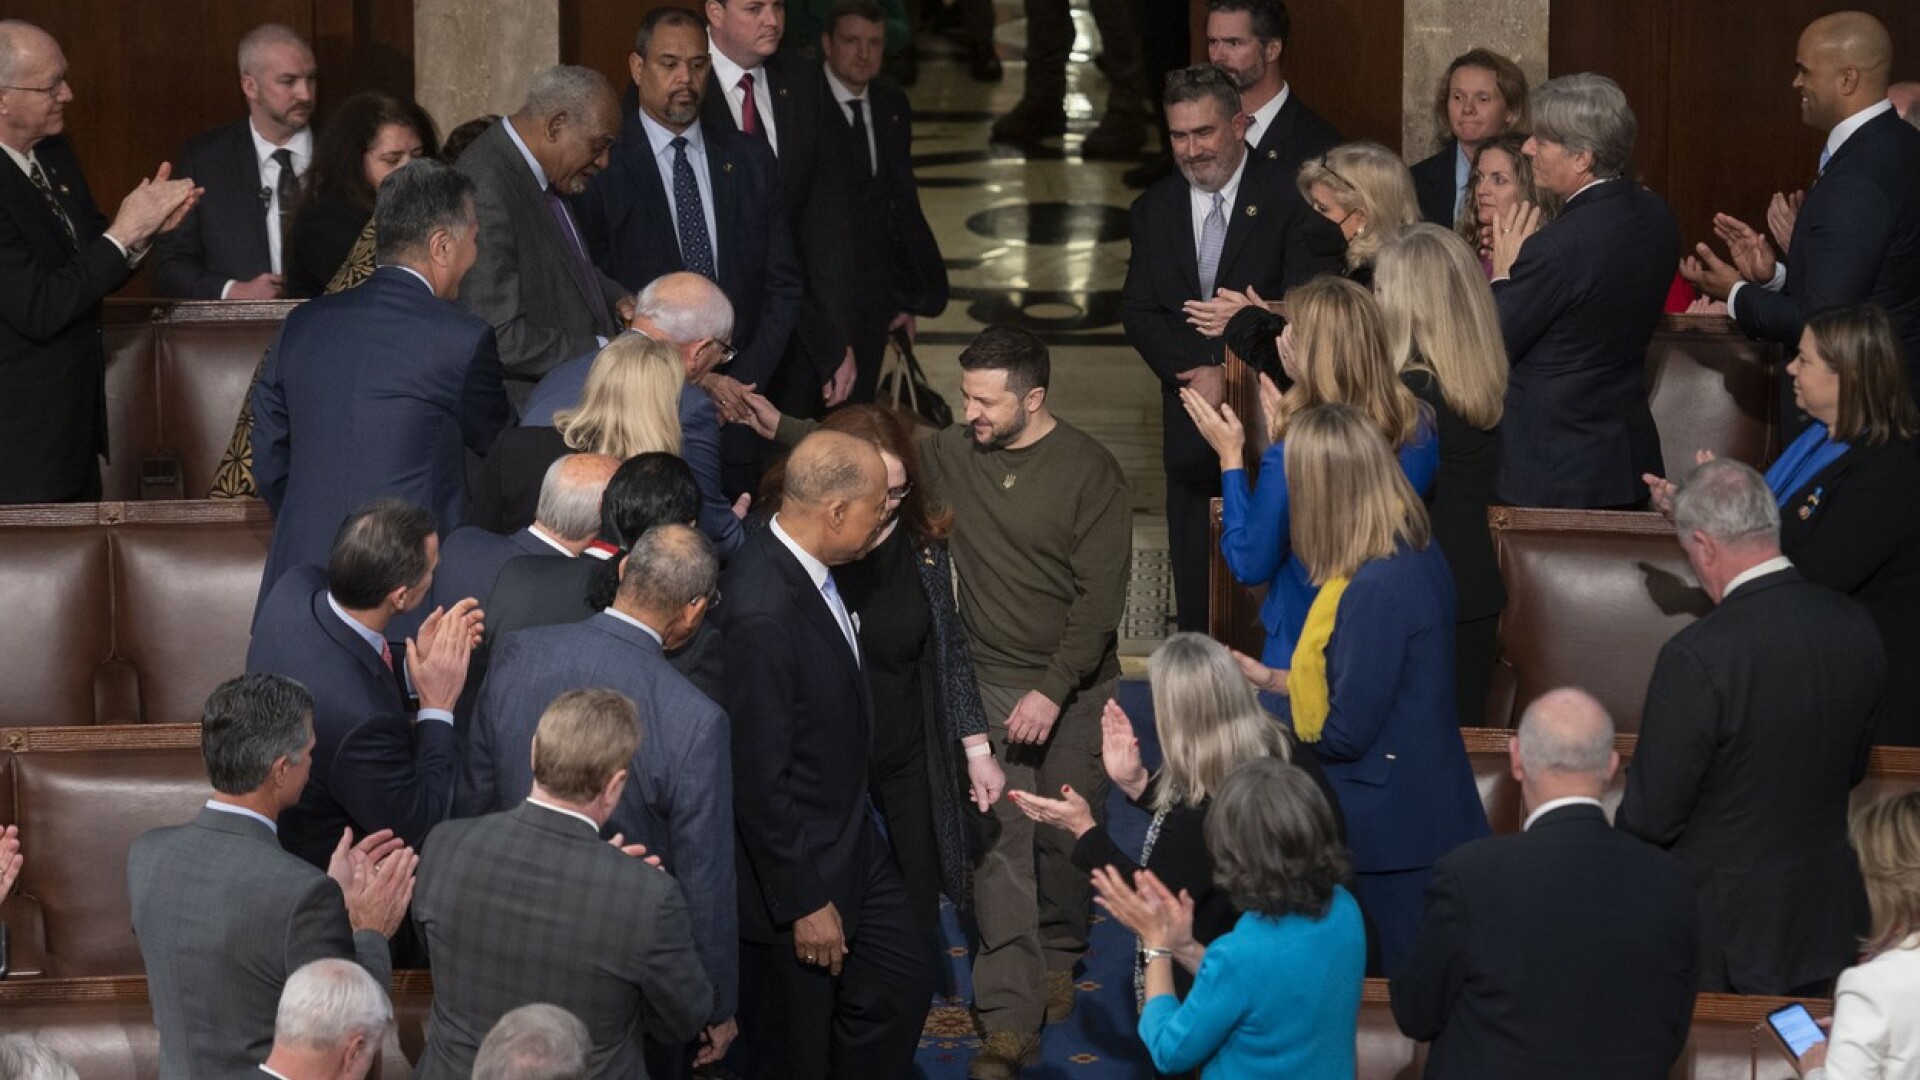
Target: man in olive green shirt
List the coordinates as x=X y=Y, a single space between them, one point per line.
x=1043 y=530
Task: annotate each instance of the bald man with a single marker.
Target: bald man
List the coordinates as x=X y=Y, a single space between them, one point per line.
x=1566 y=949
x=1906 y=95
x=834 y=976
x=1857 y=236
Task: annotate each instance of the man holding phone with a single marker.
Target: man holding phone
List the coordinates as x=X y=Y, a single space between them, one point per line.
x=1617 y=917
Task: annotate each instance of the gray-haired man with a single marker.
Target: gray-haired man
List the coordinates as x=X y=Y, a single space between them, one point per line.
x=332 y=1019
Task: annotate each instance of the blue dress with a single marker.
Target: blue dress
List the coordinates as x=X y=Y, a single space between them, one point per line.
x=1276 y=997
x=1255 y=537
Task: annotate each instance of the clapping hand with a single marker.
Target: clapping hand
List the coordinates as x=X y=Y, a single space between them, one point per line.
x=10 y=859
x=376 y=876
x=1070 y=812
x=1510 y=230
x=1210 y=317
x=1782 y=212
x=1218 y=425
x=1120 y=751
x=1750 y=252
x=437 y=656
x=635 y=851
x=1148 y=908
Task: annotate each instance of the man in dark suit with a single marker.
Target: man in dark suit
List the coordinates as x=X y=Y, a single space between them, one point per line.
x=380 y=390
x=1578 y=306
x=531 y=905
x=378 y=763
x=225 y=917
x=1756 y=727
x=1617 y=917
x=834 y=980
x=58 y=259
x=782 y=99
x=679 y=799
x=1857 y=235
x=690 y=313
x=1248 y=40
x=902 y=275
x=682 y=193
x=534 y=281
x=567 y=520
x=1228 y=221
x=331 y=1023
x=233 y=245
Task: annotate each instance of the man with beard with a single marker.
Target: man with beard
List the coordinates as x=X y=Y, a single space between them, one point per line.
x=686 y=194
x=1248 y=40
x=232 y=246
x=1230 y=221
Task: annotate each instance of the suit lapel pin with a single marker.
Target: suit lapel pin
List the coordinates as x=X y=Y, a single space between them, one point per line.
x=1252 y=210
x=726 y=166
x=64 y=190
x=783 y=91
x=1273 y=155
x=1007 y=484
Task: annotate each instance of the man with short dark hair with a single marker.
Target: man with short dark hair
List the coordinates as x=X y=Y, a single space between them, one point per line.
x=901 y=273
x=332 y=1019
x=1228 y=221
x=378 y=763
x=1757 y=725
x=534 y=1042
x=683 y=192
x=59 y=257
x=1248 y=40
x=233 y=245
x=1617 y=917
x=225 y=917
x=534 y=281
x=382 y=389
x=531 y=905
x=679 y=800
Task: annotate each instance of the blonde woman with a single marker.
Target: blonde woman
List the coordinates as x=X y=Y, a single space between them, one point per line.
x=630 y=405
x=1209 y=722
x=1335 y=349
x=1370 y=684
x=1365 y=190
x=1876 y=1027
x=1443 y=333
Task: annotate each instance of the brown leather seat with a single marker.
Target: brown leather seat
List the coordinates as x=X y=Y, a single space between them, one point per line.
x=123 y=613
x=1713 y=388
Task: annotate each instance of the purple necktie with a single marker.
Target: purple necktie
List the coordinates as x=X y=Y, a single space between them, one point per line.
x=560 y=215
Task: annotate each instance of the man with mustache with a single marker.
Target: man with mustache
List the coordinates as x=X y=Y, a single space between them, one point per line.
x=683 y=193
x=232 y=246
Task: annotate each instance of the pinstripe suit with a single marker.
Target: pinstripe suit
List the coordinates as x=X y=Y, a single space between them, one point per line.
x=531 y=905
x=224 y=917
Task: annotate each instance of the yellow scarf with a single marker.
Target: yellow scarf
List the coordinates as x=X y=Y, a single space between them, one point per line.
x=1307 y=690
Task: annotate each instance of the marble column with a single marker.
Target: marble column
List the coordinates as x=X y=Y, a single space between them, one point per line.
x=1436 y=31
x=472 y=57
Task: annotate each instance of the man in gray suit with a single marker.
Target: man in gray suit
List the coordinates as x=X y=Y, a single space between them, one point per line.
x=680 y=803
x=534 y=281
x=532 y=905
x=224 y=916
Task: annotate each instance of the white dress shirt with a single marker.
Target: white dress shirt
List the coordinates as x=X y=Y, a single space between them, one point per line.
x=575 y=814
x=660 y=141
x=241 y=811
x=1551 y=805
x=1758 y=570
x=1262 y=117
x=1201 y=204
x=378 y=644
x=844 y=97
x=819 y=573
x=636 y=623
x=302 y=147
x=728 y=73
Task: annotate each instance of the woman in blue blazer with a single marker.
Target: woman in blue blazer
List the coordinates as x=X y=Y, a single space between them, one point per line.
x=1334 y=349
x=1370 y=682
x=1279 y=995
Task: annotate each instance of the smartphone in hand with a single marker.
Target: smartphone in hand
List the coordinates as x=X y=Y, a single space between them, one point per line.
x=1795 y=1029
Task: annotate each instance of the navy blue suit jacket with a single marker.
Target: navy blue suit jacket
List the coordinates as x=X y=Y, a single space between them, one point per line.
x=1391 y=745
x=1856 y=240
x=471 y=559
x=53 y=420
x=908 y=260
x=1296 y=134
x=629 y=227
x=1433 y=185
x=1577 y=315
x=679 y=796
x=699 y=443
x=373 y=767
x=224 y=237
x=379 y=390
x=803 y=722
x=1617 y=919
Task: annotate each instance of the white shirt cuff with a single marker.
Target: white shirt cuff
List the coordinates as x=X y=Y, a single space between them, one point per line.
x=441 y=715
x=226 y=289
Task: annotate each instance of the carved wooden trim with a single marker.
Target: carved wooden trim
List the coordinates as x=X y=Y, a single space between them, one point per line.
x=1700 y=324
x=1536 y=519
x=1882 y=761
x=158 y=512
x=86 y=737
x=132 y=989
x=126 y=312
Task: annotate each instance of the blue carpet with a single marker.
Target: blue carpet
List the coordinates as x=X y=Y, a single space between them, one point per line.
x=1100 y=1039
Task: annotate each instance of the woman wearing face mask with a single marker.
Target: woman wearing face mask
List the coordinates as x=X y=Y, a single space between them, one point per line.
x=1365 y=191
x=913 y=649
x=1482 y=95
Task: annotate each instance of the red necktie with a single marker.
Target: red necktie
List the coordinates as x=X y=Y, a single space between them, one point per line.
x=386 y=655
x=750 y=109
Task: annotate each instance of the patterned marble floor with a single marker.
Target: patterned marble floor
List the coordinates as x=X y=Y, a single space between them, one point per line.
x=1041 y=240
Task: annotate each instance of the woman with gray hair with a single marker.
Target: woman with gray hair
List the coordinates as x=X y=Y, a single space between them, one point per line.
x=1579 y=300
x=1280 y=994
x=1209 y=721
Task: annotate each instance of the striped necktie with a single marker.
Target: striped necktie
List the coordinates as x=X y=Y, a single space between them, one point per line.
x=59 y=212
x=1213 y=237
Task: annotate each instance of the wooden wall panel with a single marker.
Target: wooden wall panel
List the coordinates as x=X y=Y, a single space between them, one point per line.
x=599 y=33
x=1345 y=58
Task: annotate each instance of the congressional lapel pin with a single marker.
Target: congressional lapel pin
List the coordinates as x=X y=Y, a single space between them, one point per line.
x=1252 y=210
x=64 y=190
x=726 y=166
x=783 y=91
x=1273 y=155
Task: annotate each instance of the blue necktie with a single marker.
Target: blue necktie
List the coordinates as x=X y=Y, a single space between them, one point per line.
x=1213 y=237
x=1826 y=155
x=840 y=616
x=696 y=248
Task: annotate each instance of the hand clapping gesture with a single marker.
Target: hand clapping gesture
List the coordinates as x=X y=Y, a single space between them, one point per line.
x=1510 y=230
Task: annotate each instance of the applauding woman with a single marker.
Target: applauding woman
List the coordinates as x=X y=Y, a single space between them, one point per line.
x=1335 y=349
x=1370 y=683
x=1280 y=995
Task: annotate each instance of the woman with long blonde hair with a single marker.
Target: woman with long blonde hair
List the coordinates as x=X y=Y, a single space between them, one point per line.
x=1443 y=333
x=1370 y=683
x=1335 y=349
x=629 y=406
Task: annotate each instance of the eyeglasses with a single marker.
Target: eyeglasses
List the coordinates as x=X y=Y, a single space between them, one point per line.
x=1335 y=173
x=713 y=599
x=727 y=352
x=895 y=494
x=47 y=90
